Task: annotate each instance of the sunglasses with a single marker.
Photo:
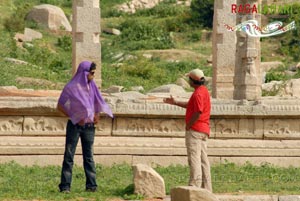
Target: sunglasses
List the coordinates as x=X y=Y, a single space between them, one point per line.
x=92 y=72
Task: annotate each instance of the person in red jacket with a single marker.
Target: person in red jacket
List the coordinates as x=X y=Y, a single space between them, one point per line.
x=197 y=129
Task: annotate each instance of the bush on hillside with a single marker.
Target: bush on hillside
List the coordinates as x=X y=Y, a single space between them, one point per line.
x=202 y=12
x=163 y=9
x=65 y=43
x=144 y=34
x=290 y=41
x=16 y=22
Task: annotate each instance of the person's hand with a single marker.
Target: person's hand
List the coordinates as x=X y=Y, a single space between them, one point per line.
x=81 y=122
x=170 y=100
x=96 y=119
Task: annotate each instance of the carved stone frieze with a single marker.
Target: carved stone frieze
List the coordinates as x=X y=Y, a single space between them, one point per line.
x=149 y=127
x=44 y=125
x=11 y=125
x=227 y=128
x=104 y=126
x=282 y=128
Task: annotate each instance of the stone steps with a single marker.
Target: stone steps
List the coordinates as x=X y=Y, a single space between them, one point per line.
x=150 y=150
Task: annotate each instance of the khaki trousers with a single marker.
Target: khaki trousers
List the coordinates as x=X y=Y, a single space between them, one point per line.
x=198 y=160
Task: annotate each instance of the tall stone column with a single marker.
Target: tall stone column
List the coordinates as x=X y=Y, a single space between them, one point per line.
x=224 y=50
x=248 y=79
x=86 y=35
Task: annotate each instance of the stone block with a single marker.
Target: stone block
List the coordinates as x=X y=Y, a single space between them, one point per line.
x=191 y=193
x=148 y=182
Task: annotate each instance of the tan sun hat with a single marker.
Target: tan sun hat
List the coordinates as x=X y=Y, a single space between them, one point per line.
x=195 y=74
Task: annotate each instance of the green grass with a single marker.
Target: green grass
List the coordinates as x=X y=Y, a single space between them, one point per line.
x=18 y=182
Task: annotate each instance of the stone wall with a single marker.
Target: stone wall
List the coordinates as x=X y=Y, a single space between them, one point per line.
x=148 y=131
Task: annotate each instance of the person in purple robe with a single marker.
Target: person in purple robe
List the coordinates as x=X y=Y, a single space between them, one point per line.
x=82 y=102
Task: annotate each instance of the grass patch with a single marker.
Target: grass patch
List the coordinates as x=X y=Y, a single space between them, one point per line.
x=18 y=182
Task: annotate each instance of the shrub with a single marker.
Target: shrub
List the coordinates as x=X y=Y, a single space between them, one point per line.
x=202 y=12
x=65 y=42
x=177 y=24
x=144 y=34
x=16 y=22
x=290 y=41
x=164 y=9
x=108 y=8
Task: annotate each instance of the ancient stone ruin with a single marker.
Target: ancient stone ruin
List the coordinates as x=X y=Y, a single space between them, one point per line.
x=244 y=125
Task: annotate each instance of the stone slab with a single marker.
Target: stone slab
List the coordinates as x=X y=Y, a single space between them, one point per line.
x=289 y=198
x=46 y=160
x=247 y=197
x=264 y=108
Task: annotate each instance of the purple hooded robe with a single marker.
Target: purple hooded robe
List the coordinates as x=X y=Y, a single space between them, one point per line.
x=81 y=99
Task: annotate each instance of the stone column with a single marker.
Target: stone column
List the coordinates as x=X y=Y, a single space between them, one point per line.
x=247 y=79
x=224 y=50
x=86 y=35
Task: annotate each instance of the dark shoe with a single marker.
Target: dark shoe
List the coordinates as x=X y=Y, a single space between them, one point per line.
x=91 y=189
x=66 y=191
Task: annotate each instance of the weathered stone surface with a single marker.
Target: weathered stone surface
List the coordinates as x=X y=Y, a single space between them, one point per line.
x=247 y=197
x=292 y=88
x=32 y=34
x=112 y=31
x=44 y=125
x=239 y=128
x=16 y=61
x=162 y=151
x=289 y=198
x=170 y=88
x=183 y=83
x=11 y=125
x=149 y=127
x=266 y=66
x=137 y=88
x=22 y=37
x=272 y=86
x=134 y=5
x=50 y=16
x=191 y=193
x=148 y=182
x=113 y=89
x=162 y=161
